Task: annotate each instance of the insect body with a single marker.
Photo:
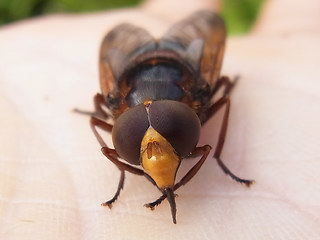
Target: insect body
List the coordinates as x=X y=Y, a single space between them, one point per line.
x=159 y=93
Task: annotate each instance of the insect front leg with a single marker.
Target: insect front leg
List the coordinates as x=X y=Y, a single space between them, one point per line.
x=116 y=195
x=221 y=139
x=204 y=151
x=113 y=156
x=99 y=112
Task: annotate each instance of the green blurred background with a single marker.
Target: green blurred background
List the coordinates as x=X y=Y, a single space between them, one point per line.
x=239 y=14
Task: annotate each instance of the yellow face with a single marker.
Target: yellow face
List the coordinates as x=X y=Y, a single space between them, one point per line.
x=159 y=158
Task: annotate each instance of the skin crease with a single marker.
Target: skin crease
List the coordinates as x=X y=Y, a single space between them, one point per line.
x=53 y=176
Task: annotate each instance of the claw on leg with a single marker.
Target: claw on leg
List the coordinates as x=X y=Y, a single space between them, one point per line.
x=115 y=197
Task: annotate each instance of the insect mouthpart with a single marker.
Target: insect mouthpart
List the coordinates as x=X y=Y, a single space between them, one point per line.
x=160 y=162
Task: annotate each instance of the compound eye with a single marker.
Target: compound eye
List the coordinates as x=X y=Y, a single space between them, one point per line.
x=128 y=131
x=177 y=123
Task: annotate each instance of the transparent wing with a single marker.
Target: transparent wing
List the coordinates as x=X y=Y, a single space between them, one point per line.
x=115 y=51
x=202 y=38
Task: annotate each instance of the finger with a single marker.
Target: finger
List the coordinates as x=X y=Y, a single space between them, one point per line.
x=173 y=10
x=288 y=16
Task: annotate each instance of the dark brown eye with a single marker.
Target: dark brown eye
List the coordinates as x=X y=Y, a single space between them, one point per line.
x=176 y=122
x=128 y=131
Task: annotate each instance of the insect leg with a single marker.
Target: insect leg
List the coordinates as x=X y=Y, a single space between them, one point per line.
x=116 y=195
x=94 y=123
x=98 y=101
x=204 y=151
x=152 y=205
x=112 y=155
x=222 y=134
x=225 y=81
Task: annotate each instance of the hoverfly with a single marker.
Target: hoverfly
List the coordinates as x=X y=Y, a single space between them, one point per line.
x=159 y=92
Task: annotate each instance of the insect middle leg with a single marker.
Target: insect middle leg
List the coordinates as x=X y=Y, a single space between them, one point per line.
x=226 y=83
x=98 y=101
x=221 y=138
x=113 y=156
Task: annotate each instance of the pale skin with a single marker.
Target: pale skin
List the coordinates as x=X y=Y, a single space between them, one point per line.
x=53 y=175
